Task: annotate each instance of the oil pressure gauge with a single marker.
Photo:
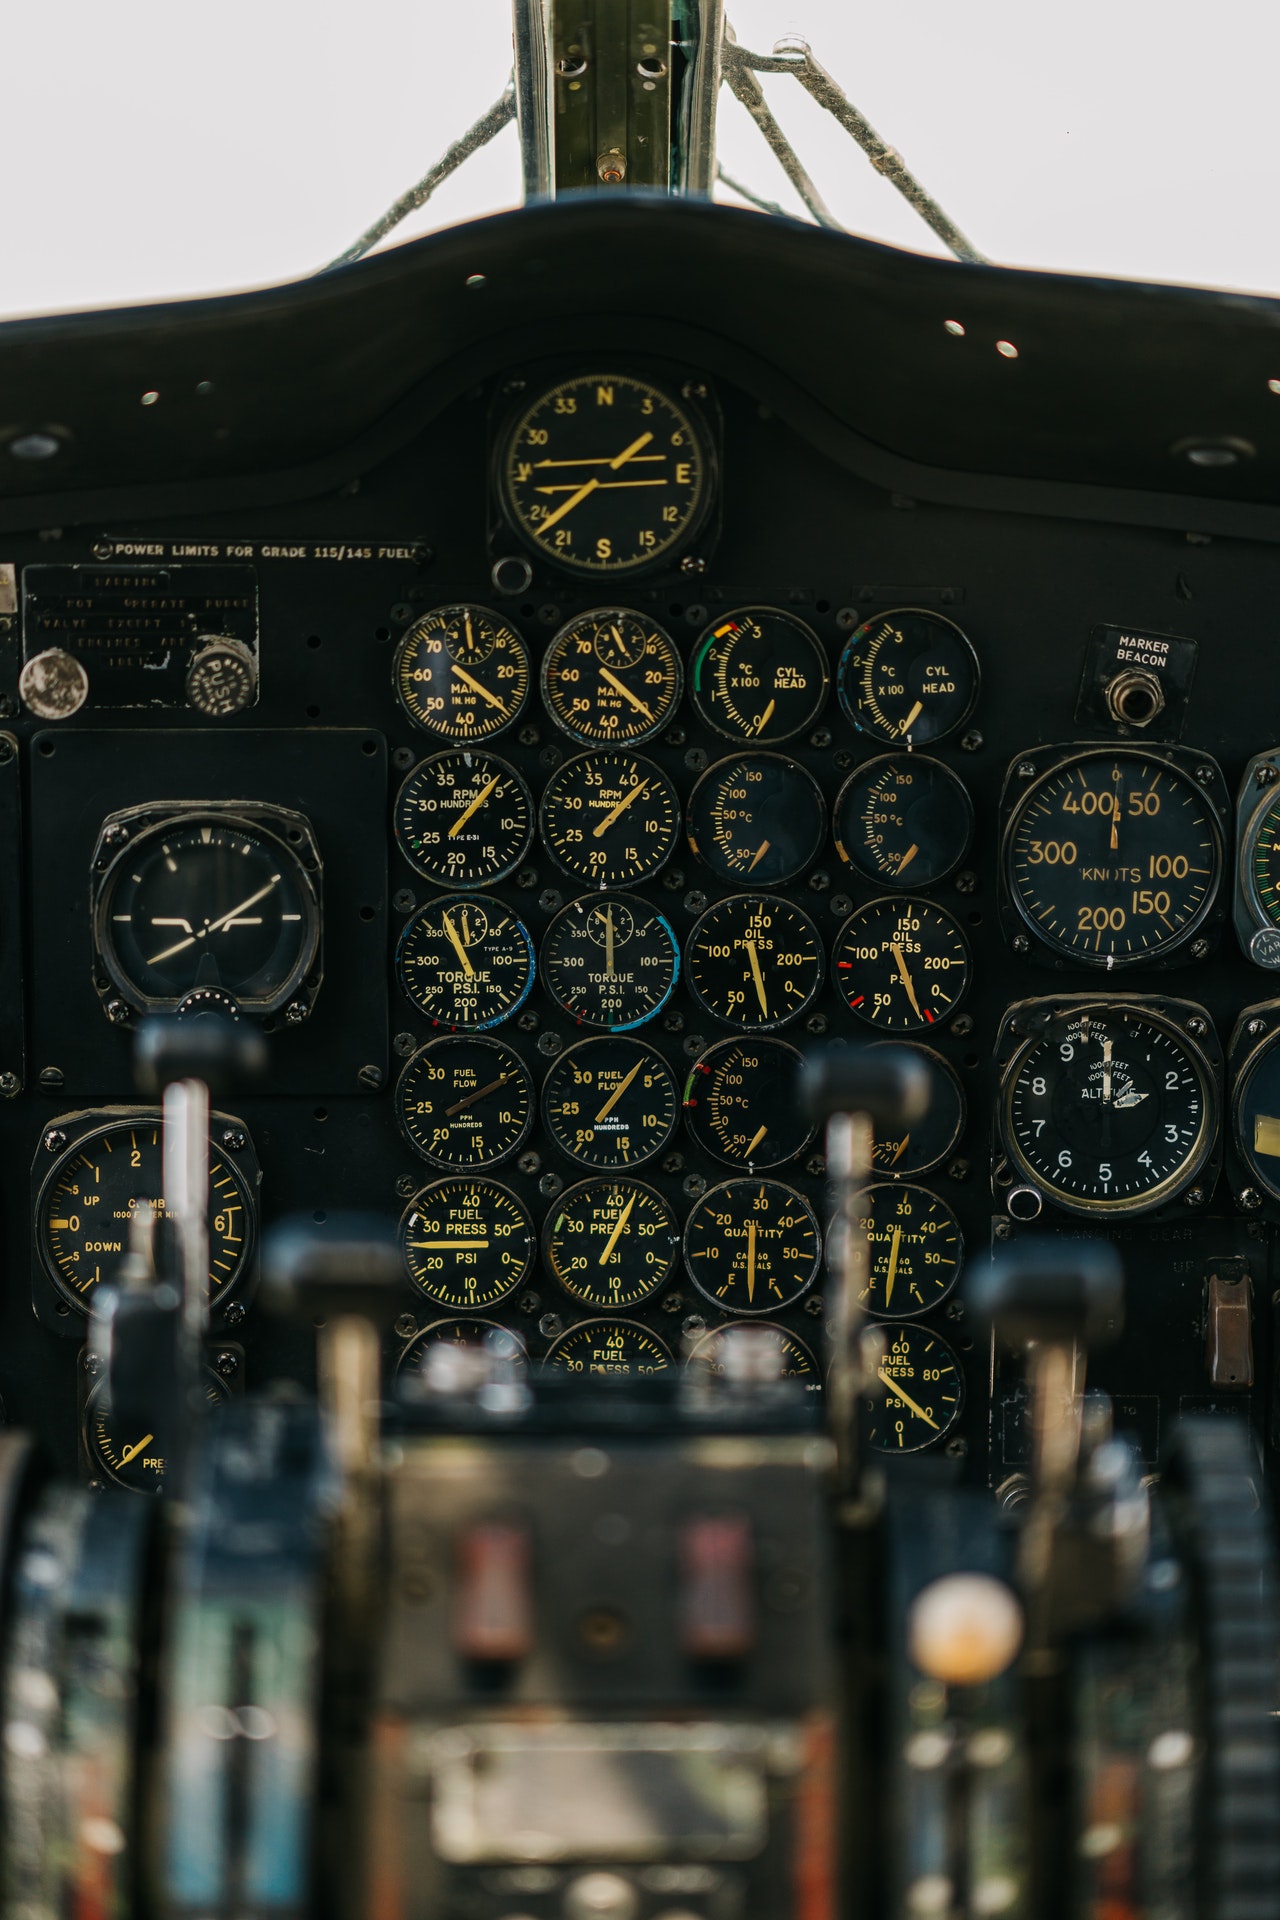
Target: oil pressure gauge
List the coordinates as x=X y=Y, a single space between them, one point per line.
x=902 y=966
x=754 y=960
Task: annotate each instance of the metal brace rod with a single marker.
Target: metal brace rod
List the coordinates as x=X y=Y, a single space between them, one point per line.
x=794 y=56
x=742 y=82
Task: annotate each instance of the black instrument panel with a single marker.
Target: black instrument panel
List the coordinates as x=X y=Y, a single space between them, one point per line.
x=587 y=849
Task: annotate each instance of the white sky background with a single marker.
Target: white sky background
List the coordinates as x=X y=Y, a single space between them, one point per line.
x=157 y=148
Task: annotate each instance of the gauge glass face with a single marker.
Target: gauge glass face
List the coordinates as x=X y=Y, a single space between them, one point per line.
x=462 y=673
x=915 y=1250
x=903 y=821
x=611 y=1243
x=208 y=902
x=752 y=1246
x=133 y=1456
x=908 y=677
x=901 y=1152
x=742 y=1104
x=796 y=1359
x=463 y=819
x=901 y=965
x=1109 y=1110
x=1113 y=858
x=923 y=1391
x=1261 y=863
x=609 y=1346
x=610 y=960
x=83 y=1214
x=610 y=1103
x=759 y=817
x=465 y=961
x=604 y=474
x=755 y=961
x=467 y=1243
x=759 y=674
x=611 y=676
x=1256 y=1113
x=609 y=819
x=415 y=1360
x=465 y=1102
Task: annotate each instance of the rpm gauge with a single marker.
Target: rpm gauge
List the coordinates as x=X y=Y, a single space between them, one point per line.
x=610 y=960
x=463 y=819
x=759 y=674
x=611 y=676
x=1113 y=857
x=461 y=672
x=609 y=819
x=1109 y=1109
x=759 y=818
x=908 y=677
x=902 y=821
x=610 y=1102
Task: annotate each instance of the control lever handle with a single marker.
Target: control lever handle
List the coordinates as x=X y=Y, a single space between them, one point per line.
x=889 y=1084
x=224 y=1054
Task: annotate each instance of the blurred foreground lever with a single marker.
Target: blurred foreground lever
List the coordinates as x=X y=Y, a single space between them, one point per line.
x=224 y=1054
x=889 y=1084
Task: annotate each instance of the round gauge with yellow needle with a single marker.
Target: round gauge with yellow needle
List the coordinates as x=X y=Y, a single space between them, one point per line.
x=754 y=960
x=908 y=677
x=133 y=1457
x=903 y=820
x=609 y=818
x=759 y=674
x=611 y=676
x=461 y=672
x=465 y=1102
x=901 y=965
x=459 y=1332
x=900 y=1152
x=921 y=1390
x=752 y=1246
x=610 y=1102
x=915 y=1250
x=610 y=1243
x=605 y=474
x=758 y=818
x=742 y=1103
x=463 y=818
x=609 y=1346
x=467 y=1243
x=795 y=1359
x=610 y=960
x=465 y=960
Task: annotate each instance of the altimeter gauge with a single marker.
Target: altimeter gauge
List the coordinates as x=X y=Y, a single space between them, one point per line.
x=611 y=675
x=759 y=674
x=461 y=672
x=610 y=819
x=1110 y=1108
x=605 y=474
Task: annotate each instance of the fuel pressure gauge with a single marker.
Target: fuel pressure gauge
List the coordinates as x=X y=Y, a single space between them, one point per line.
x=467 y=1243
x=608 y=1346
x=610 y=1242
x=921 y=1391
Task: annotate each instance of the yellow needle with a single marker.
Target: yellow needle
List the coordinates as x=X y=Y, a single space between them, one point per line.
x=617 y=1093
x=612 y=1241
x=457 y=946
x=626 y=693
x=892 y=1274
x=907 y=1401
x=620 y=809
x=758 y=856
x=131 y=1453
x=901 y=965
x=766 y=717
x=608 y=939
x=475 y=806
x=475 y=686
x=605 y=486
x=466 y=627
x=1107 y=1045
x=751 y=1260
x=907 y=858
x=755 y=974
x=912 y=717
x=448 y=1246
x=460 y=1106
x=1115 y=824
x=589 y=486
x=754 y=1142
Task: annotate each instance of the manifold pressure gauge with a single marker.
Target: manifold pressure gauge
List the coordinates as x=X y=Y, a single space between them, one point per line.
x=86 y=1201
x=610 y=1243
x=742 y=1104
x=610 y=1103
x=610 y=960
x=217 y=898
x=610 y=819
x=922 y=1391
x=908 y=677
x=754 y=960
x=900 y=965
x=462 y=673
x=134 y=1457
x=611 y=676
x=605 y=474
x=467 y=1243
x=1113 y=856
x=465 y=961
x=757 y=819
x=1111 y=1108
x=759 y=674
x=463 y=819
x=915 y=1248
x=465 y=1102
x=609 y=1346
x=752 y=1246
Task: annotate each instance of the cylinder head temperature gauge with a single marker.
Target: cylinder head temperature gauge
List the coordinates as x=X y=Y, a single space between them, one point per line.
x=908 y=677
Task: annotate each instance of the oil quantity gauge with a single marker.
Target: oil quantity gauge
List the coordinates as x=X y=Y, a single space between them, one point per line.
x=903 y=821
x=611 y=676
x=611 y=1243
x=609 y=1346
x=1109 y=1109
x=465 y=1102
x=465 y=961
x=742 y=1104
x=901 y=965
x=922 y=1391
x=467 y=1243
x=752 y=1246
x=1113 y=857
x=759 y=818
x=609 y=819
x=1255 y=1114
x=610 y=960
x=610 y=1103
x=915 y=1249
x=463 y=819
x=908 y=677
x=930 y=1141
x=754 y=960
x=759 y=674
x=796 y=1359
x=462 y=673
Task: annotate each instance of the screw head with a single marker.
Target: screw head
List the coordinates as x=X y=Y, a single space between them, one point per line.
x=962 y=1026
x=118 y=1012
x=1002 y=1230
x=404 y=1326
x=958 y=1170
x=233 y=1139
x=115 y=835
x=956 y=1449
x=1025 y=769
x=550 y=1325
x=955 y=1310
x=549 y=1043
x=1020 y=943
x=294 y=1015
x=227 y=1365
x=1205 y=776
x=1249 y=1198
x=816 y=1023
x=815 y=1306
x=234 y=1313
x=549 y=899
x=9 y=1085
x=693 y=563
x=674 y=1303
x=971 y=742
x=816 y=1165
x=1199 y=948
x=820 y=738
x=550 y=1185
x=1254 y=1027
x=529 y=1302
x=693 y=1186
x=693 y=1044
x=693 y=1323
x=841 y=905
x=527 y=878
x=1197 y=1026
x=966 y=882
x=49 y=1079
x=819 y=881
x=528 y=736
x=673 y=1022
x=54 y=1140
x=530 y=1163
x=694 y=390
x=1193 y=1197
x=371 y=1077
x=696 y=759
x=404 y=1044
x=528 y=1021
x=673 y=1163
x=403 y=900
x=402 y=757
x=406 y=1186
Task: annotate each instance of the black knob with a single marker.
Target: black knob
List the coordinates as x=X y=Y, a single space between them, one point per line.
x=351 y=1264
x=891 y=1084
x=1047 y=1289
x=206 y=1046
